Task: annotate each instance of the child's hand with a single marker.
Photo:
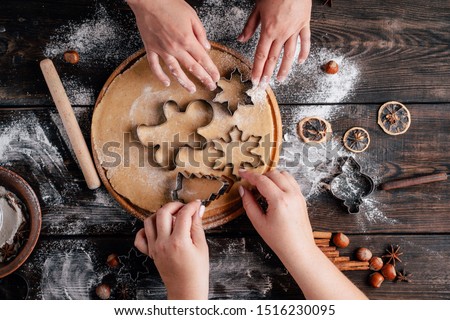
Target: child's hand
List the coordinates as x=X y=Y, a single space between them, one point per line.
x=285 y=227
x=282 y=22
x=172 y=31
x=174 y=238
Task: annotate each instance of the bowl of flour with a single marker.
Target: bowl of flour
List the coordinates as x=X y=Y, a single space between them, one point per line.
x=20 y=221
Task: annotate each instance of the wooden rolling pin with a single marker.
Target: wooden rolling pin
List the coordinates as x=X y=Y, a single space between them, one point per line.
x=403 y=183
x=70 y=123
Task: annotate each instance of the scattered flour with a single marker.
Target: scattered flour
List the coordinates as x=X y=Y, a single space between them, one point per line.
x=83 y=116
x=225 y=23
x=99 y=40
x=68 y=275
x=311 y=165
x=77 y=92
x=24 y=140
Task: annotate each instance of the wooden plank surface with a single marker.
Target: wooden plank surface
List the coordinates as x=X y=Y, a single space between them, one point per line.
x=241 y=268
x=34 y=145
x=388 y=50
x=392 y=49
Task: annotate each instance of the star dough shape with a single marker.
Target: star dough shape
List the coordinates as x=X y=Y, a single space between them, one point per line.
x=237 y=153
x=234 y=91
x=178 y=130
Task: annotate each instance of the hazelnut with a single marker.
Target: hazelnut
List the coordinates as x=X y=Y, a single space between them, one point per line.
x=71 y=56
x=341 y=240
x=103 y=291
x=376 y=263
x=331 y=67
x=388 y=272
x=113 y=260
x=363 y=254
x=376 y=279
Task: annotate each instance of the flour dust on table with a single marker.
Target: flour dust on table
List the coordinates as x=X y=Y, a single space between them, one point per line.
x=99 y=40
x=25 y=141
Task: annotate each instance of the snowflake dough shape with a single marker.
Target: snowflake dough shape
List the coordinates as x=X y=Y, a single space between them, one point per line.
x=234 y=91
x=237 y=153
x=178 y=130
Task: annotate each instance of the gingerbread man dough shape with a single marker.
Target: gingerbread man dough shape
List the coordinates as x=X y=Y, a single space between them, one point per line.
x=179 y=130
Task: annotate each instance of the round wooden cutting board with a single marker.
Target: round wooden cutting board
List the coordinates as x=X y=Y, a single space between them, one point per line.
x=133 y=96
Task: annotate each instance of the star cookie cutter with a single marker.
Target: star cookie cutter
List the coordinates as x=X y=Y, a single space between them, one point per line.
x=234 y=101
x=224 y=183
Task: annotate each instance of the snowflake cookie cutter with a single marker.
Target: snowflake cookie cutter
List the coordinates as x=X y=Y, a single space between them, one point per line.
x=224 y=185
x=237 y=152
x=233 y=102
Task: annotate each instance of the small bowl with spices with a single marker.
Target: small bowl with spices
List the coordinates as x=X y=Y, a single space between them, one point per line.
x=20 y=221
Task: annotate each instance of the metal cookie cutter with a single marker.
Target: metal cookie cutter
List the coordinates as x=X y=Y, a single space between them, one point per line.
x=351 y=185
x=232 y=100
x=224 y=185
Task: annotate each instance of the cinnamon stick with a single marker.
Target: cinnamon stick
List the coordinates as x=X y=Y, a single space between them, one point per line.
x=331 y=254
x=324 y=249
x=352 y=265
x=322 y=242
x=339 y=259
x=322 y=235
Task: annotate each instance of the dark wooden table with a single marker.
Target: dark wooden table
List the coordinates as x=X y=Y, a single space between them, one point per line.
x=392 y=50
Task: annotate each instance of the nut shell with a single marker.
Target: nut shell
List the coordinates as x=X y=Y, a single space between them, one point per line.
x=331 y=67
x=113 y=260
x=376 y=279
x=388 y=272
x=340 y=240
x=71 y=56
x=376 y=263
x=363 y=254
x=103 y=291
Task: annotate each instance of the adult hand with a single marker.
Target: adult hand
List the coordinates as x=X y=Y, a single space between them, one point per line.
x=285 y=226
x=172 y=31
x=282 y=23
x=175 y=239
x=286 y=229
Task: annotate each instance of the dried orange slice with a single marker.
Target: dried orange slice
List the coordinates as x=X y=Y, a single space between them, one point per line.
x=394 y=118
x=314 y=129
x=356 y=139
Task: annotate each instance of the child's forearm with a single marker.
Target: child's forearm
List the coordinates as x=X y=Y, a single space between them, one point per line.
x=318 y=277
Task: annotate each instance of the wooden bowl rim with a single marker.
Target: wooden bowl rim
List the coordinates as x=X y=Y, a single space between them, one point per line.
x=236 y=208
x=26 y=194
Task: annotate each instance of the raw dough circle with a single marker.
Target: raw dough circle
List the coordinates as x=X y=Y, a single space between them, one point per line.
x=133 y=96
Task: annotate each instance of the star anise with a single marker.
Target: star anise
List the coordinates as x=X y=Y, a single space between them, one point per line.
x=7 y=251
x=22 y=233
x=328 y=2
x=393 y=254
x=402 y=276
